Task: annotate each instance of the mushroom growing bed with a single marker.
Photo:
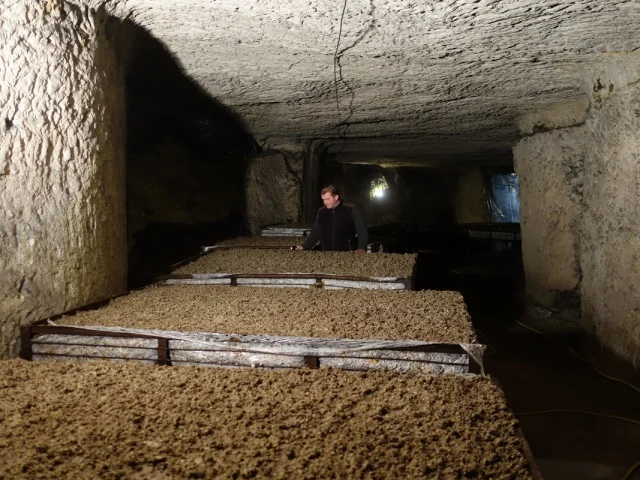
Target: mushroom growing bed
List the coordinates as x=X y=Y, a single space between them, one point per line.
x=427 y=315
x=106 y=420
x=425 y=331
x=276 y=261
x=277 y=268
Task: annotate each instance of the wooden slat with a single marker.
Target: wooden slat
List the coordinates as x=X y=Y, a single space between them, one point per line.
x=99 y=345
x=213 y=248
x=304 y=276
x=63 y=330
x=88 y=331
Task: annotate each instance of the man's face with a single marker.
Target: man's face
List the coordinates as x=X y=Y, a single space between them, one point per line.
x=330 y=201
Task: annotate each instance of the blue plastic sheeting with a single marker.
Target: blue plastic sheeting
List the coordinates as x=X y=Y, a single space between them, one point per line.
x=505 y=198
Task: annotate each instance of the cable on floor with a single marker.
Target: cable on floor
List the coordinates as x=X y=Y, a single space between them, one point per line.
x=629 y=473
x=580 y=357
x=581 y=412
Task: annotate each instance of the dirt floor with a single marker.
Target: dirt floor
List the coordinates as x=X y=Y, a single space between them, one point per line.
x=429 y=315
x=283 y=261
x=557 y=396
x=263 y=241
x=107 y=420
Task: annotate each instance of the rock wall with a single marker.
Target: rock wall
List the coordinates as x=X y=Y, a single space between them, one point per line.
x=273 y=189
x=62 y=180
x=609 y=245
x=177 y=201
x=471 y=201
x=545 y=163
x=425 y=195
x=580 y=214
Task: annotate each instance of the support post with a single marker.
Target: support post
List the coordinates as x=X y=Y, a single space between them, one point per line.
x=164 y=357
x=312 y=362
x=26 y=347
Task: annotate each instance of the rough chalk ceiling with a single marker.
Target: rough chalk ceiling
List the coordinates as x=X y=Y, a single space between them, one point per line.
x=415 y=79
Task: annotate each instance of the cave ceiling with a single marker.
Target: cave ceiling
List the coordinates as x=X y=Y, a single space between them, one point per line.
x=389 y=79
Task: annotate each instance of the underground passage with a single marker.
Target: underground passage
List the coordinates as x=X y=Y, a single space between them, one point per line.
x=341 y=239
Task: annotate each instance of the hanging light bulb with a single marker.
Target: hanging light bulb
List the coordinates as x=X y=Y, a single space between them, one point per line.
x=379 y=187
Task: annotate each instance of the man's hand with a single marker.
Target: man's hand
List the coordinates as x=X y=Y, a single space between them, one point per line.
x=299 y=247
x=359 y=251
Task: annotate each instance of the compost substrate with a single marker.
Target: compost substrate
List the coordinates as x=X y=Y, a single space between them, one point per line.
x=426 y=315
x=113 y=421
x=306 y=261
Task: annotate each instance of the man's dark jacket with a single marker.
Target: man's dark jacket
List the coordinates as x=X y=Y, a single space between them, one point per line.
x=337 y=227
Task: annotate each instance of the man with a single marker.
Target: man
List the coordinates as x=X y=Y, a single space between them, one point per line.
x=336 y=225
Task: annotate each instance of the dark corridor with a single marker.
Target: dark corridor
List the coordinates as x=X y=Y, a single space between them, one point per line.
x=539 y=376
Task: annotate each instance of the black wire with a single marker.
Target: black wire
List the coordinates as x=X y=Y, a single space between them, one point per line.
x=335 y=60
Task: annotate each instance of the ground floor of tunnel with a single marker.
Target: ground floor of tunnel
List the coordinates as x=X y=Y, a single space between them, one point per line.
x=540 y=373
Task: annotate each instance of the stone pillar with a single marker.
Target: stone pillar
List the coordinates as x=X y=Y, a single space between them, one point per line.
x=580 y=215
x=273 y=189
x=609 y=224
x=62 y=158
x=544 y=163
x=471 y=200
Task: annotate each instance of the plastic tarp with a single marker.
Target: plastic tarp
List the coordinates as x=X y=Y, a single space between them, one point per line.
x=503 y=197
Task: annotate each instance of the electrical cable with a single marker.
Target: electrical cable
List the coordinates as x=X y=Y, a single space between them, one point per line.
x=580 y=357
x=635 y=467
x=335 y=60
x=629 y=473
x=581 y=412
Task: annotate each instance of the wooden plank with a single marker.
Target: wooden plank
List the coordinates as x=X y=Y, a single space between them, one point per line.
x=64 y=330
x=37 y=341
x=303 y=276
x=94 y=357
x=174 y=276
x=212 y=248
x=249 y=341
x=434 y=348
x=310 y=350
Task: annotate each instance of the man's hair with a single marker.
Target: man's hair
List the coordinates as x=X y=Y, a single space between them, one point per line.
x=329 y=189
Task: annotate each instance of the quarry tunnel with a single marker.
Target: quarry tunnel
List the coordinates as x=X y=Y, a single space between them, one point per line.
x=497 y=141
